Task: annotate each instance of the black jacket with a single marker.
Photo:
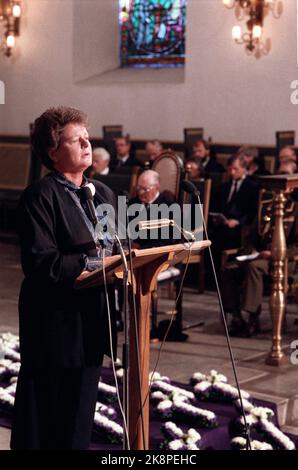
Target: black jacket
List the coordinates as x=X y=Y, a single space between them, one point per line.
x=244 y=205
x=143 y=213
x=59 y=326
x=213 y=167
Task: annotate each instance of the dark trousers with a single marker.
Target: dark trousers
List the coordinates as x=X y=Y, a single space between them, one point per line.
x=242 y=286
x=54 y=409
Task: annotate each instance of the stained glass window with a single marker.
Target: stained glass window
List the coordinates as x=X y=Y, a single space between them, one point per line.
x=152 y=33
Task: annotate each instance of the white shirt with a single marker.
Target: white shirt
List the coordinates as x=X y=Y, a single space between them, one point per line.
x=105 y=171
x=124 y=159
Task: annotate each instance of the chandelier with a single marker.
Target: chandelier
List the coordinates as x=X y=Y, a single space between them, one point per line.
x=10 y=17
x=254 y=12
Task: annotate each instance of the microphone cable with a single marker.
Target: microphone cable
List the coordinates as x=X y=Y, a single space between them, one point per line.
x=171 y=320
x=190 y=188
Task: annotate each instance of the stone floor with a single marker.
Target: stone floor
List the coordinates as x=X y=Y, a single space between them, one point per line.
x=205 y=349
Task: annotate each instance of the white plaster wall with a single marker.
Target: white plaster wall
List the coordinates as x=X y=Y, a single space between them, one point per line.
x=236 y=98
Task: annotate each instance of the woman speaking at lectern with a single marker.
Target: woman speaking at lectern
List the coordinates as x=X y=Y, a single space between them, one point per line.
x=63 y=331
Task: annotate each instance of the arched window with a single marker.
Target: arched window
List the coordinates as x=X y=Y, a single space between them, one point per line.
x=152 y=33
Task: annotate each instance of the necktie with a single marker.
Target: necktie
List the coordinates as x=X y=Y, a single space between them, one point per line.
x=234 y=192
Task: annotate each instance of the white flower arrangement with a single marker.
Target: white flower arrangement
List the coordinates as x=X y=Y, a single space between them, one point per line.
x=11 y=354
x=9 y=368
x=239 y=443
x=259 y=418
x=214 y=387
x=178 y=444
x=120 y=374
x=177 y=439
x=247 y=405
x=106 y=392
x=9 y=341
x=274 y=435
x=107 y=428
x=176 y=407
x=156 y=377
x=167 y=388
x=6 y=400
x=158 y=396
x=105 y=410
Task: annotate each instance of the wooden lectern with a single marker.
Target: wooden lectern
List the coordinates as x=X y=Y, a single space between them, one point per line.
x=278 y=184
x=147 y=265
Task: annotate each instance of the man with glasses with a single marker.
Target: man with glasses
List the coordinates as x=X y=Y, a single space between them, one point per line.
x=148 y=193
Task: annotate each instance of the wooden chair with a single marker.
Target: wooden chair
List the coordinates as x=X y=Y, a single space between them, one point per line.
x=170 y=168
x=15 y=175
x=283 y=138
x=191 y=135
x=110 y=133
x=204 y=186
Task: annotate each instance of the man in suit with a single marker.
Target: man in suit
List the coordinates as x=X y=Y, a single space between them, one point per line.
x=124 y=157
x=254 y=163
x=237 y=202
x=201 y=151
x=242 y=284
x=64 y=332
x=149 y=194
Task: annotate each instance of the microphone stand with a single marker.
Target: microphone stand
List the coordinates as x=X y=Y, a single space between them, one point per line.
x=196 y=193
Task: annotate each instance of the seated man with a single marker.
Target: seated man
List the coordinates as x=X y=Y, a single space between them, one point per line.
x=254 y=164
x=287 y=153
x=153 y=148
x=148 y=193
x=100 y=162
x=237 y=202
x=152 y=204
x=201 y=151
x=242 y=286
x=123 y=152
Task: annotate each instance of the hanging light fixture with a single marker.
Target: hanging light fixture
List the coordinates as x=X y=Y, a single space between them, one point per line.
x=10 y=18
x=254 y=11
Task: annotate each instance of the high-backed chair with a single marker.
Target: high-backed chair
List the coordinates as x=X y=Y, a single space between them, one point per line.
x=110 y=133
x=169 y=166
x=191 y=135
x=204 y=186
x=15 y=174
x=284 y=138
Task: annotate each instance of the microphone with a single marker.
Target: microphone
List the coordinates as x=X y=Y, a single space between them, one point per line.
x=154 y=224
x=189 y=188
x=87 y=192
x=160 y=223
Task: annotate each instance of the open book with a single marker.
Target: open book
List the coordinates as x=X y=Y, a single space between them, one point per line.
x=250 y=257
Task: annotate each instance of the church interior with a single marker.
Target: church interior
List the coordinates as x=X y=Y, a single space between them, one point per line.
x=192 y=102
